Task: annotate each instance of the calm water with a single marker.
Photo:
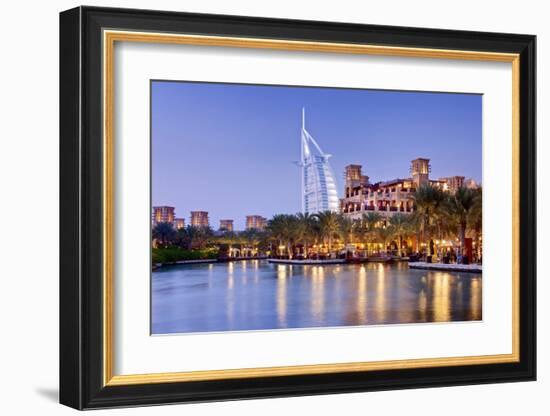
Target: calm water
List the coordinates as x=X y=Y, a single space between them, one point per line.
x=252 y=295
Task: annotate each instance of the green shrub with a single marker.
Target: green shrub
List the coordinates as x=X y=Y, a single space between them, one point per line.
x=173 y=254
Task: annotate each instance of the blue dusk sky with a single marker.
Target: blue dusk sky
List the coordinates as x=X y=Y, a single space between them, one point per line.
x=230 y=149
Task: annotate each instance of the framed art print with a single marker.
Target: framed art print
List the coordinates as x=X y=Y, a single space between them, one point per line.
x=258 y=207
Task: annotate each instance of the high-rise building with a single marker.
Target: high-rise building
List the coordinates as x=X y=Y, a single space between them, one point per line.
x=199 y=219
x=179 y=223
x=163 y=214
x=319 y=191
x=255 y=222
x=226 y=225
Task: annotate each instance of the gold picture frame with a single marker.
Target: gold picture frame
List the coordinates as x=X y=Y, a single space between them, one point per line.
x=110 y=37
x=88 y=39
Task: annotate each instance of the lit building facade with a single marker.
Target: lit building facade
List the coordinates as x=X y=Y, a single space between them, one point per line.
x=470 y=184
x=420 y=171
x=389 y=197
x=255 y=222
x=199 y=219
x=163 y=214
x=179 y=223
x=226 y=225
x=386 y=198
x=319 y=192
x=452 y=183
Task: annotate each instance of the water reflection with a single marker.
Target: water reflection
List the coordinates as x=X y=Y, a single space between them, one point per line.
x=475 y=289
x=422 y=305
x=381 y=297
x=441 y=301
x=251 y=295
x=361 y=303
x=317 y=293
x=281 y=296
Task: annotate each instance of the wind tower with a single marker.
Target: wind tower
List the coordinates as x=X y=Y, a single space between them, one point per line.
x=420 y=171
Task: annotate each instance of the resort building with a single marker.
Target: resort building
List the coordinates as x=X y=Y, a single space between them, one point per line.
x=319 y=191
x=420 y=175
x=199 y=219
x=226 y=225
x=163 y=214
x=179 y=223
x=452 y=183
x=389 y=197
x=471 y=184
x=255 y=222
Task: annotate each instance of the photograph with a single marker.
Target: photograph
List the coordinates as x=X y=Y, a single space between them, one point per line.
x=257 y=206
x=292 y=207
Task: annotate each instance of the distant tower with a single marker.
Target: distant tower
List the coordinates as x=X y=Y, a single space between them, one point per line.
x=452 y=183
x=163 y=214
x=226 y=225
x=199 y=219
x=179 y=223
x=319 y=191
x=255 y=222
x=354 y=178
x=420 y=171
x=353 y=174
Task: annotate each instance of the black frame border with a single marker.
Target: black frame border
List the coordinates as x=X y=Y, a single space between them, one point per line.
x=81 y=204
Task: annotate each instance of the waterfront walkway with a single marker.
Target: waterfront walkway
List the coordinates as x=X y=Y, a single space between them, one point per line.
x=471 y=268
x=199 y=261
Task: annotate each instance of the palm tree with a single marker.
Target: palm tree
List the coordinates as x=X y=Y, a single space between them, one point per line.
x=181 y=238
x=283 y=228
x=399 y=224
x=240 y=241
x=346 y=229
x=371 y=220
x=193 y=237
x=291 y=233
x=414 y=225
x=359 y=231
x=251 y=238
x=227 y=238
x=443 y=223
x=385 y=234
x=306 y=229
x=185 y=237
x=275 y=230
x=369 y=224
x=461 y=206
x=264 y=240
x=475 y=219
x=164 y=232
x=429 y=200
x=329 y=225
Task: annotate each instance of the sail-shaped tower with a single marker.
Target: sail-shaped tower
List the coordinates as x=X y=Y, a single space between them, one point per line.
x=319 y=191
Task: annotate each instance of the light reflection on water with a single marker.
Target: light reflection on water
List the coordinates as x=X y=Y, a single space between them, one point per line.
x=253 y=295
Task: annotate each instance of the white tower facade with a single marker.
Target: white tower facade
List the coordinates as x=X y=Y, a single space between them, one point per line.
x=319 y=192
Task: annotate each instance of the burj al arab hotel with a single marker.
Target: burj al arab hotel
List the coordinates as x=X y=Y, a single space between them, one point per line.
x=319 y=191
